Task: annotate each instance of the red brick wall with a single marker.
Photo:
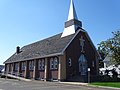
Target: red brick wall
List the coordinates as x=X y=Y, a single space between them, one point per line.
x=74 y=52
x=41 y=74
x=52 y=74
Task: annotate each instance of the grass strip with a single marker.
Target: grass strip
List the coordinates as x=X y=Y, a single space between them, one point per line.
x=107 y=84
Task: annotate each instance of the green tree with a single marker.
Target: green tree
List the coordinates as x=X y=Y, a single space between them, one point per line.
x=111 y=46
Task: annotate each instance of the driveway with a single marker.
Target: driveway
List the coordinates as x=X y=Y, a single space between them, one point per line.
x=11 y=84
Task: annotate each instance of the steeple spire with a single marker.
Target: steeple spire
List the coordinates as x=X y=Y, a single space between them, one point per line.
x=72 y=23
x=72 y=12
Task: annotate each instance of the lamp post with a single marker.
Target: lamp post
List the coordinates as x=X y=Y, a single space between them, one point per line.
x=88 y=75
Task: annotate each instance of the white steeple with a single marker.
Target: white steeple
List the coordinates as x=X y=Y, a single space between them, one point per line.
x=72 y=23
x=72 y=12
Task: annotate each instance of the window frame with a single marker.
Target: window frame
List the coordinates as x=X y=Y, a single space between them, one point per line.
x=23 y=65
x=41 y=64
x=55 y=63
x=31 y=65
x=69 y=62
x=16 y=66
x=51 y=64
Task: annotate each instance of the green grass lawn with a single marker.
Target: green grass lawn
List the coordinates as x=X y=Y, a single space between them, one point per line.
x=107 y=84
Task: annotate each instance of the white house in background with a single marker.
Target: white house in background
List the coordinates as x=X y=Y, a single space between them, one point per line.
x=109 y=66
x=107 y=61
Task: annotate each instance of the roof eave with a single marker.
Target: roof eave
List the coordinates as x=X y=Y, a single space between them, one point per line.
x=46 y=56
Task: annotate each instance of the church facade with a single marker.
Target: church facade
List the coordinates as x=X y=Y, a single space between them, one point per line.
x=65 y=56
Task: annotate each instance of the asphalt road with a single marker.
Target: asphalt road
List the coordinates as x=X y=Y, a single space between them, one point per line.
x=7 y=84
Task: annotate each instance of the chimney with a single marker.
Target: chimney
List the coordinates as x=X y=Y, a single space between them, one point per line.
x=17 y=49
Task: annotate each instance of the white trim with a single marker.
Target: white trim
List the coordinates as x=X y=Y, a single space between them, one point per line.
x=68 y=31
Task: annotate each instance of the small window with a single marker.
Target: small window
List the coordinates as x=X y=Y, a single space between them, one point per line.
x=70 y=62
x=51 y=63
x=43 y=64
x=55 y=63
x=39 y=65
x=23 y=66
x=16 y=67
x=31 y=65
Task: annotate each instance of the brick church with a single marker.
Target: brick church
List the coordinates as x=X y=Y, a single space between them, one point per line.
x=65 y=56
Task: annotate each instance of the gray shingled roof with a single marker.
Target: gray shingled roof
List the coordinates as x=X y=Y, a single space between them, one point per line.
x=43 y=48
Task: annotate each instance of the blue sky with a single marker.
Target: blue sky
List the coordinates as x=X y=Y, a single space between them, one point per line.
x=26 y=21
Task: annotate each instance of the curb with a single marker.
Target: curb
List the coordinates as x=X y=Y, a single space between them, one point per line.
x=74 y=83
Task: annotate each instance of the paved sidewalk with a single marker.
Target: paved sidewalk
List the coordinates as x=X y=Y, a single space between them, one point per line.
x=12 y=84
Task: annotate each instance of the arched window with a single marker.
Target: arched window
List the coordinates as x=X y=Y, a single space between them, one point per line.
x=23 y=66
x=55 y=63
x=16 y=66
x=82 y=65
x=41 y=64
x=70 y=62
x=31 y=65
